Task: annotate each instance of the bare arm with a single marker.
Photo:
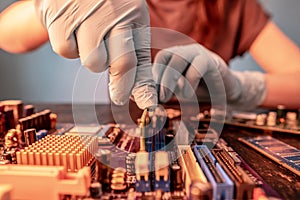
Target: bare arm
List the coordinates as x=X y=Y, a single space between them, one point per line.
x=20 y=29
x=280 y=58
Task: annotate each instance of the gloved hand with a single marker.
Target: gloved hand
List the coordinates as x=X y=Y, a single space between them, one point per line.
x=179 y=70
x=105 y=33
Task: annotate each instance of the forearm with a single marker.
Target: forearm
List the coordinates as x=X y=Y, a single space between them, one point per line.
x=20 y=29
x=280 y=58
x=282 y=89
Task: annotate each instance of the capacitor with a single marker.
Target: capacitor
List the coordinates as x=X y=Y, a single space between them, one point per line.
x=280 y=114
x=103 y=163
x=176 y=178
x=200 y=191
x=96 y=190
x=30 y=136
x=261 y=119
x=170 y=140
x=291 y=120
x=271 y=119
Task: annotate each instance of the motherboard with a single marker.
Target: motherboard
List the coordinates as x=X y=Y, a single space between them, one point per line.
x=157 y=158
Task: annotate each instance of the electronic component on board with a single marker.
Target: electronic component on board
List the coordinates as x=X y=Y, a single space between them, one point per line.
x=280 y=152
x=280 y=114
x=162 y=174
x=41 y=134
x=194 y=178
x=17 y=108
x=142 y=171
x=13 y=139
x=176 y=178
x=72 y=152
x=103 y=160
x=261 y=119
x=222 y=186
x=267 y=121
x=9 y=119
x=271 y=119
x=118 y=180
x=243 y=184
x=45 y=182
x=95 y=190
x=28 y=110
x=291 y=120
x=2 y=126
x=30 y=136
x=159 y=159
x=142 y=165
x=130 y=168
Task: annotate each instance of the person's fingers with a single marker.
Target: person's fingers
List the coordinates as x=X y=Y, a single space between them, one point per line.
x=63 y=42
x=168 y=68
x=144 y=90
x=123 y=62
x=60 y=26
x=91 y=46
x=169 y=79
x=194 y=73
x=160 y=63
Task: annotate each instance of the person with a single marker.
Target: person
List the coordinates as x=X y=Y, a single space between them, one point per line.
x=104 y=34
x=221 y=30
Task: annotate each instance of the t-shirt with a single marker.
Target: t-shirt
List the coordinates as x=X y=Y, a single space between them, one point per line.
x=229 y=36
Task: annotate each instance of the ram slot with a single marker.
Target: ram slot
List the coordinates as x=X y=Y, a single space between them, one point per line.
x=195 y=182
x=243 y=184
x=221 y=184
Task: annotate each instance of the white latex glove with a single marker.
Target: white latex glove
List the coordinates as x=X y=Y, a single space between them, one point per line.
x=105 y=33
x=179 y=70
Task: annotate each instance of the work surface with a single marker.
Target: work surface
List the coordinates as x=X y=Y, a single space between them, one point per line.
x=286 y=183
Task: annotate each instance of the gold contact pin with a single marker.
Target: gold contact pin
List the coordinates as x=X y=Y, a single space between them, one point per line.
x=18 y=157
x=44 y=158
x=79 y=163
x=142 y=130
x=84 y=157
x=24 y=156
x=57 y=159
x=38 y=160
x=71 y=162
x=30 y=158
x=50 y=159
x=64 y=160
